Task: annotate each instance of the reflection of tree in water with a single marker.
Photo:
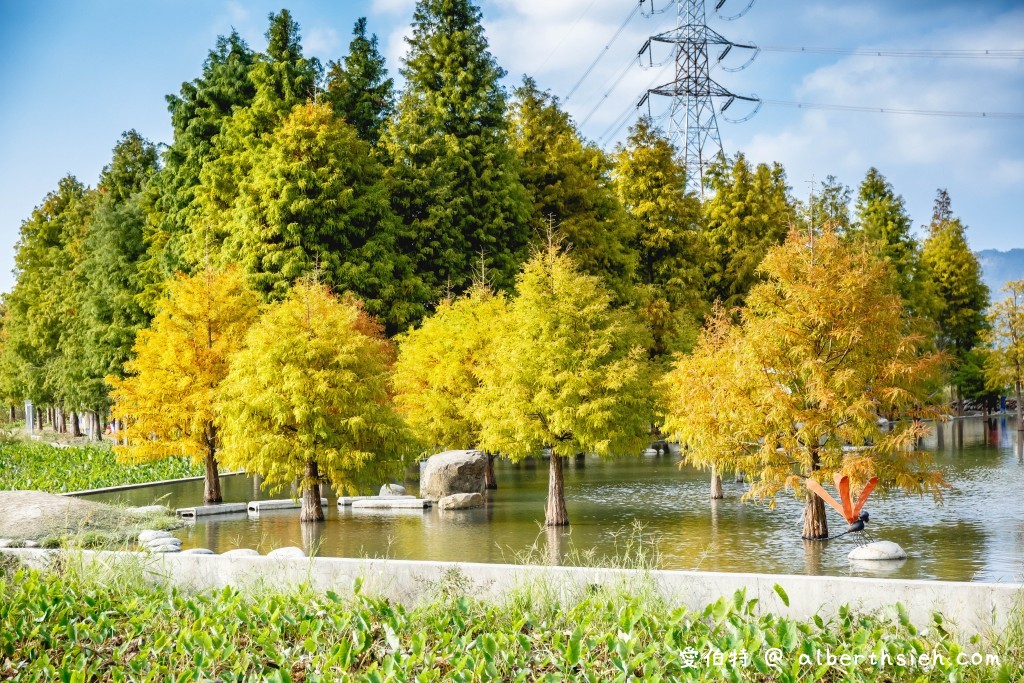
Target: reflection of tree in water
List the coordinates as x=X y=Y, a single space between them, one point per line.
x=814 y=552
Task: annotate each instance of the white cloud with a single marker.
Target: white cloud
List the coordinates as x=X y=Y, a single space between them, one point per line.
x=322 y=41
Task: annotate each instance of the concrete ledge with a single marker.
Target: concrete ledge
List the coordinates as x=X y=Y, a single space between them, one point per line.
x=385 y=503
x=128 y=487
x=971 y=607
x=210 y=510
x=255 y=506
x=347 y=501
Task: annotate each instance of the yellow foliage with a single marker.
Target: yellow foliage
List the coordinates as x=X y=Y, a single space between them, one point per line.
x=312 y=385
x=797 y=386
x=166 y=401
x=439 y=368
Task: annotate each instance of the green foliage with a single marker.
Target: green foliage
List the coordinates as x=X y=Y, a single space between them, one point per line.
x=1004 y=364
x=311 y=387
x=314 y=198
x=954 y=277
x=197 y=114
x=651 y=184
x=282 y=78
x=881 y=220
x=123 y=627
x=750 y=212
x=453 y=174
x=43 y=299
x=359 y=88
x=571 y=188
x=42 y=467
x=569 y=371
x=440 y=364
x=831 y=206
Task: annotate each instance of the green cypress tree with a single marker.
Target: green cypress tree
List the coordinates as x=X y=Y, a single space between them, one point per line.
x=197 y=114
x=831 y=206
x=315 y=198
x=881 y=218
x=960 y=295
x=42 y=305
x=571 y=187
x=358 y=87
x=453 y=174
x=750 y=211
x=651 y=184
x=283 y=78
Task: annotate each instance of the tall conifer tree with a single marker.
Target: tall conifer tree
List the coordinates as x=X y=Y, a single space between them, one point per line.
x=750 y=212
x=453 y=173
x=960 y=295
x=358 y=87
x=571 y=188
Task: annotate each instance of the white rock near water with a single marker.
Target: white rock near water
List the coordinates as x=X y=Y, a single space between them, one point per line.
x=149 y=535
x=392 y=490
x=460 y=501
x=288 y=553
x=241 y=552
x=879 y=551
x=197 y=551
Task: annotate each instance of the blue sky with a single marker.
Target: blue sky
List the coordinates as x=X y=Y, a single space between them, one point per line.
x=74 y=75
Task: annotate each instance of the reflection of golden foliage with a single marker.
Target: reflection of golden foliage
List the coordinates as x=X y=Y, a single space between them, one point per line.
x=800 y=382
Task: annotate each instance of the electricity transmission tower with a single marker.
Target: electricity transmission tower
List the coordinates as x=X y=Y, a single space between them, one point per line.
x=693 y=124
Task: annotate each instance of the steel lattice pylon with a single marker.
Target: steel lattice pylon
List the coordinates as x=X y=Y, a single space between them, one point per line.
x=693 y=126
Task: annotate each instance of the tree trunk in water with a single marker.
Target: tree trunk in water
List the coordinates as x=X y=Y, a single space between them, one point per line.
x=76 y=428
x=555 y=513
x=311 y=511
x=489 y=481
x=815 y=523
x=211 y=492
x=716 y=484
x=1020 y=408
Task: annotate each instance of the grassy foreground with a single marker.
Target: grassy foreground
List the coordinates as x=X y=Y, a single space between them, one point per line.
x=29 y=466
x=73 y=627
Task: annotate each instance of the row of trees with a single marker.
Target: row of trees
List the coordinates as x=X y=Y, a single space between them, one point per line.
x=281 y=166
x=281 y=169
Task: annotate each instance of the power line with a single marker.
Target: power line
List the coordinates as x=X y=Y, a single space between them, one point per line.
x=895 y=110
x=928 y=54
x=565 y=36
x=604 y=50
x=615 y=83
x=631 y=109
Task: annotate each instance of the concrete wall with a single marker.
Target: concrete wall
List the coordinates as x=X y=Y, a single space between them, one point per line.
x=972 y=607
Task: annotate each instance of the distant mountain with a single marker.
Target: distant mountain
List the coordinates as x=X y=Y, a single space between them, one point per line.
x=999 y=267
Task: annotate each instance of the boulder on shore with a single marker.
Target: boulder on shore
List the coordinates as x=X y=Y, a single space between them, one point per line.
x=461 y=501
x=36 y=515
x=453 y=472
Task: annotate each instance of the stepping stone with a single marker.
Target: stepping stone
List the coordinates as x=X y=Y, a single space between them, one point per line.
x=198 y=551
x=241 y=552
x=149 y=535
x=164 y=548
x=288 y=553
x=391 y=503
x=210 y=510
x=347 y=501
x=255 y=506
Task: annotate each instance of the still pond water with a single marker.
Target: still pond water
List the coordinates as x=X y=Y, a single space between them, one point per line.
x=975 y=534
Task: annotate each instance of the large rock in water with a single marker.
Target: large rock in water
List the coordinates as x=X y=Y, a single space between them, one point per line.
x=879 y=551
x=453 y=472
